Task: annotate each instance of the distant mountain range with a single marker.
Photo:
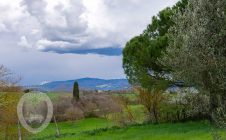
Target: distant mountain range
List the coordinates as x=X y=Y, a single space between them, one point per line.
x=84 y=83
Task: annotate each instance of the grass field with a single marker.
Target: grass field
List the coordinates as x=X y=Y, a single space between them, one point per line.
x=74 y=127
x=100 y=129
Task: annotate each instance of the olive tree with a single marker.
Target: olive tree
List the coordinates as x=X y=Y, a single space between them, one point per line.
x=4 y=72
x=197 y=48
x=8 y=81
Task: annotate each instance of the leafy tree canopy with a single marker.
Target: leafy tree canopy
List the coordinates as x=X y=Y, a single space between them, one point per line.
x=141 y=53
x=197 y=48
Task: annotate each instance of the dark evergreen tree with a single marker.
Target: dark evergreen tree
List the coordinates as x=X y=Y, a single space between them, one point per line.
x=76 y=90
x=141 y=54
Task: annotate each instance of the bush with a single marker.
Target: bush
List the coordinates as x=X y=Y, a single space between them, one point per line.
x=125 y=115
x=8 y=116
x=197 y=106
x=163 y=107
x=91 y=105
x=74 y=113
x=152 y=101
x=186 y=106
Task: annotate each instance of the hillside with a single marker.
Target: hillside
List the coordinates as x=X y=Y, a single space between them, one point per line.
x=84 y=83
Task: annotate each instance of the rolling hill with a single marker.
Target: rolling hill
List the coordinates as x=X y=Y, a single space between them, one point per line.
x=84 y=83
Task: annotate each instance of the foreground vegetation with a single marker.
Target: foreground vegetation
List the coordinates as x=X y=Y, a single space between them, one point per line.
x=101 y=129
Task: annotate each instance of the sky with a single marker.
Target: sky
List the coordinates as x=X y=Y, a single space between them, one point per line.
x=49 y=40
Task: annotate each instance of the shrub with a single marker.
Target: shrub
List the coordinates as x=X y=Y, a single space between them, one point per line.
x=60 y=106
x=74 y=113
x=8 y=116
x=186 y=106
x=125 y=115
x=91 y=105
x=163 y=107
x=99 y=105
x=197 y=106
x=152 y=101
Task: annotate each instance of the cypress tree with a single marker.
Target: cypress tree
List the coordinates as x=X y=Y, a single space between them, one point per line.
x=76 y=90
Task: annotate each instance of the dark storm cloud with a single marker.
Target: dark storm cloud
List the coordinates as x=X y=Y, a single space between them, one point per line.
x=109 y=51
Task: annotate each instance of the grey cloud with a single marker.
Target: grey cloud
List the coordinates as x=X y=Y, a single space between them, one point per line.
x=65 y=26
x=35 y=7
x=83 y=28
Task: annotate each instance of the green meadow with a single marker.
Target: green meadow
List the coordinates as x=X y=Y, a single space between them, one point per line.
x=101 y=129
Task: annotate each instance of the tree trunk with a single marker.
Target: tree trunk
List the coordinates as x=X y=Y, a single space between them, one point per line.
x=214 y=104
x=19 y=131
x=57 y=128
x=6 y=132
x=155 y=113
x=223 y=100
